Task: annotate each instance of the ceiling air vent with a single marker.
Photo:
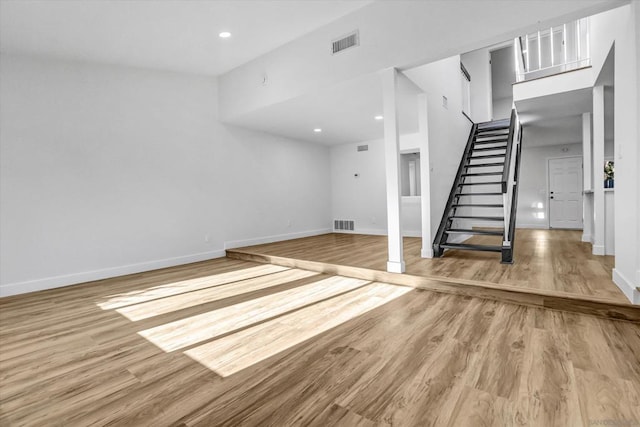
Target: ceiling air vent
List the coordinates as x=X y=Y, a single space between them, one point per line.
x=363 y=148
x=350 y=40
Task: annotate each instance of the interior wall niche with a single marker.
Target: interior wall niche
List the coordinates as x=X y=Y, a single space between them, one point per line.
x=410 y=174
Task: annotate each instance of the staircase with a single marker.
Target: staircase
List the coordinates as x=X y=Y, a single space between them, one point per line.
x=485 y=191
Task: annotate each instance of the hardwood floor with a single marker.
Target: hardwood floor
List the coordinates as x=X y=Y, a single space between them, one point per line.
x=552 y=260
x=227 y=342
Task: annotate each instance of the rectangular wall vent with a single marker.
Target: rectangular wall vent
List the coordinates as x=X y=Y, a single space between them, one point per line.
x=343 y=224
x=363 y=148
x=350 y=40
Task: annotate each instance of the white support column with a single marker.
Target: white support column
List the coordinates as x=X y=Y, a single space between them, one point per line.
x=587 y=164
x=425 y=176
x=598 y=170
x=395 y=264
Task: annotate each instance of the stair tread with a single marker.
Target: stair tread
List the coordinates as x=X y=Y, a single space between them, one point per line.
x=477 y=232
x=487 y=156
x=479 y=205
x=498 y=147
x=479 y=194
x=484 y=165
x=481 y=183
x=472 y=247
x=492 y=135
x=483 y=174
x=484 y=218
x=491 y=141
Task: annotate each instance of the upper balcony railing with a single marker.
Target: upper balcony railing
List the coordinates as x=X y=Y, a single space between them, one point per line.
x=553 y=50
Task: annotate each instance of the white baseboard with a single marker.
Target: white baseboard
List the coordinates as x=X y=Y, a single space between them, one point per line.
x=370 y=231
x=395 y=267
x=277 y=238
x=626 y=286
x=89 y=276
x=586 y=238
x=426 y=252
x=598 y=249
x=379 y=232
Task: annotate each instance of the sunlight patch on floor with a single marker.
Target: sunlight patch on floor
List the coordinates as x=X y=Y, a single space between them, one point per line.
x=174 y=288
x=192 y=330
x=157 y=307
x=243 y=349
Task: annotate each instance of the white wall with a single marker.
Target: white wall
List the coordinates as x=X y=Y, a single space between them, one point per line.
x=636 y=14
x=619 y=27
x=363 y=198
x=478 y=65
x=109 y=170
x=390 y=36
x=448 y=128
x=533 y=190
x=626 y=134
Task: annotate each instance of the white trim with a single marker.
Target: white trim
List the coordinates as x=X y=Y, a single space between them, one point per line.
x=395 y=267
x=377 y=232
x=586 y=238
x=106 y=273
x=370 y=231
x=276 y=238
x=598 y=250
x=625 y=286
x=581 y=227
x=426 y=252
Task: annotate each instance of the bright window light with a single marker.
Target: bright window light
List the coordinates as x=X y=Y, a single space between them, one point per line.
x=378 y=117
x=317 y=130
x=224 y=35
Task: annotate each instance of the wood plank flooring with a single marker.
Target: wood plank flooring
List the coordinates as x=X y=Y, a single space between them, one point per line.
x=228 y=342
x=552 y=260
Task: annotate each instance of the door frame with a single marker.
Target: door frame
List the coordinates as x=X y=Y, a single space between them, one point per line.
x=581 y=157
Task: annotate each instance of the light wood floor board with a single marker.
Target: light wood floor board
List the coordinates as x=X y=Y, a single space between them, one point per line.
x=552 y=260
x=553 y=269
x=322 y=350
x=595 y=306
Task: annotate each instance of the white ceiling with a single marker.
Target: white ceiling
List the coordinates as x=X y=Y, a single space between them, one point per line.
x=164 y=34
x=344 y=112
x=554 y=119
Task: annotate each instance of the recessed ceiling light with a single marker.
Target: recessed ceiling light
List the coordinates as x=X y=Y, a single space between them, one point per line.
x=317 y=130
x=225 y=35
x=378 y=117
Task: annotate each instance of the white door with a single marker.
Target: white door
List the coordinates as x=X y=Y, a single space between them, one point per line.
x=565 y=192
